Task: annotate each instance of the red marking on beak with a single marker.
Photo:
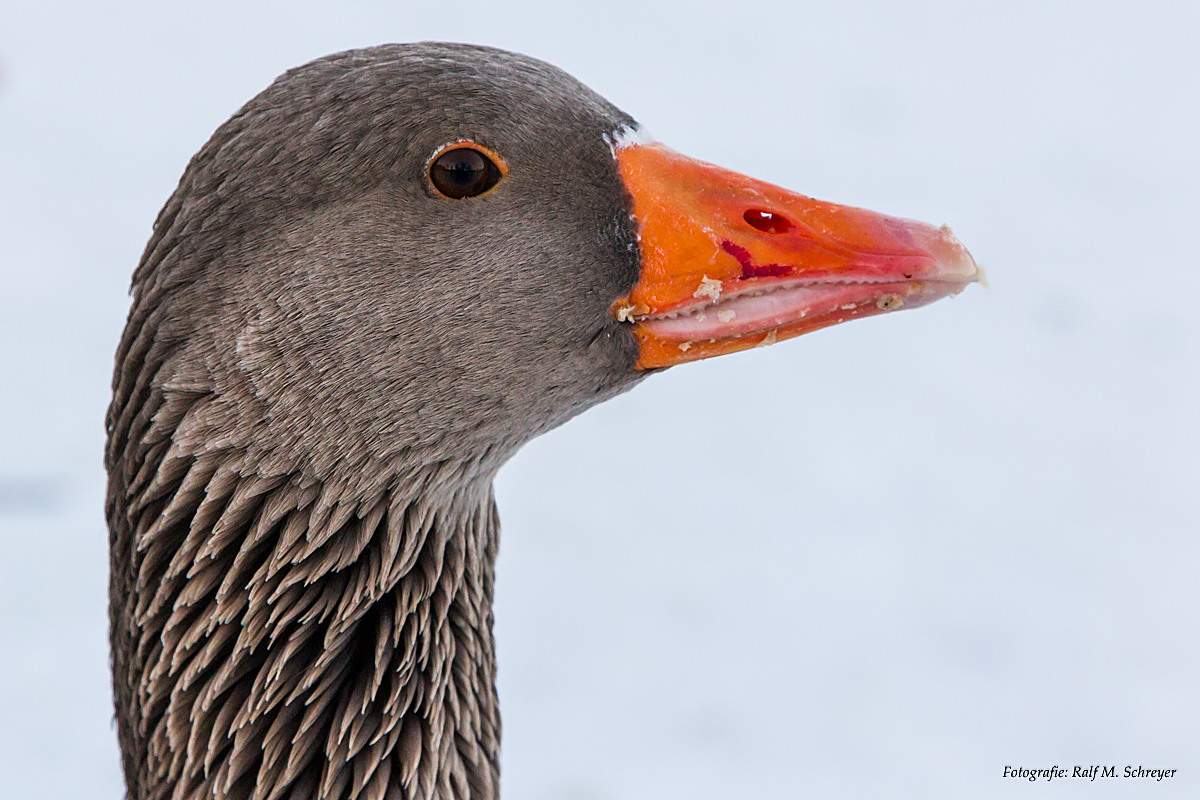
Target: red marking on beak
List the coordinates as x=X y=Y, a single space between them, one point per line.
x=749 y=268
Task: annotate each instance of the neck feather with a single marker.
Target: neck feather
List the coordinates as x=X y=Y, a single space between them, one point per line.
x=276 y=636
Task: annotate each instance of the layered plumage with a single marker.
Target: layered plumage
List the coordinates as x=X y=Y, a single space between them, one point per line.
x=324 y=366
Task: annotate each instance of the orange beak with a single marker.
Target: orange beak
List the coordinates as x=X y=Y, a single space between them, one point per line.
x=730 y=263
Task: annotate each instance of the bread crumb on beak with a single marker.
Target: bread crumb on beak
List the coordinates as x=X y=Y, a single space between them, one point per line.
x=709 y=287
x=889 y=302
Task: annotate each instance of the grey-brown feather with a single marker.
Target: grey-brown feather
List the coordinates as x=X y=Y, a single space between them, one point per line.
x=325 y=364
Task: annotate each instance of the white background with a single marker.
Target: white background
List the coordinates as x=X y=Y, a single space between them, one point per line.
x=883 y=560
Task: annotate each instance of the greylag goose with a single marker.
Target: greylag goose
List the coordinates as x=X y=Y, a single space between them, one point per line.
x=381 y=277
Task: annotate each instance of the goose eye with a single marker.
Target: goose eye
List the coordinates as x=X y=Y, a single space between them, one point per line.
x=464 y=172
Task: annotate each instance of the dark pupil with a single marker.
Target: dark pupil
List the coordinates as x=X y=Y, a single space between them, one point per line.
x=463 y=173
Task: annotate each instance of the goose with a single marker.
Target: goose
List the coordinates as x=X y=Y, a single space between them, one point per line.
x=373 y=284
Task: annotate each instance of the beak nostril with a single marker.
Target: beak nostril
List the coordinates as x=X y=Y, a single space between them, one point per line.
x=767 y=221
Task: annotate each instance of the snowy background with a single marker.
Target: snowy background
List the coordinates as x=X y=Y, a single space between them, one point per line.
x=932 y=544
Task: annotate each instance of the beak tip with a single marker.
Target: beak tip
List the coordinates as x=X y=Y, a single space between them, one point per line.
x=955 y=261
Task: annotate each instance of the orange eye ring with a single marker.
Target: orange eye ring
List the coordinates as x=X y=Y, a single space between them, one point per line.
x=464 y=169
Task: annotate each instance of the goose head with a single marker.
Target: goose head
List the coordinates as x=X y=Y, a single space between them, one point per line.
x=373 y=284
